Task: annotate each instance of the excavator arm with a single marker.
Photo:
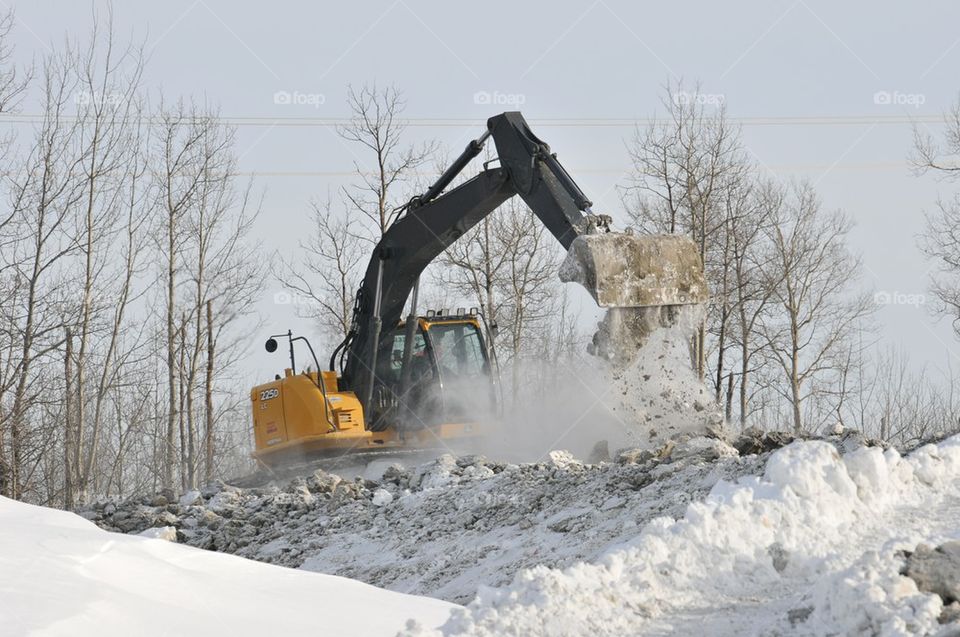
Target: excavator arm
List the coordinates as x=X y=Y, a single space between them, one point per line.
x=431 y=222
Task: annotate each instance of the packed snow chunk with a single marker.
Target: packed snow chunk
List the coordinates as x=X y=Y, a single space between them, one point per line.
x=61 y=575
x=375 y=469
x=191 y=498
x=382 y=497
x=224 y=501
x=563 y=459
x=870 y=468
x=871 y=597
x=703 y=449
x=811 y=470
x=168 y=533
x=934 y=463
x=436 y=474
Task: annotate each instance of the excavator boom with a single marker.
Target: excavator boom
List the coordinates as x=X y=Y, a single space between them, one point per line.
x=619 y=270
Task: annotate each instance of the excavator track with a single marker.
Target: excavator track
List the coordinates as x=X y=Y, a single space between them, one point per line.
x=346 y=465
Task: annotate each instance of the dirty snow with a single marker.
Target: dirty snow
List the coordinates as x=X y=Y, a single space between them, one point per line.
x=445 y=527
x=653 y=385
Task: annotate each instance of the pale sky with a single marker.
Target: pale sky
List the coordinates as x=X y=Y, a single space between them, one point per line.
x=802 y=77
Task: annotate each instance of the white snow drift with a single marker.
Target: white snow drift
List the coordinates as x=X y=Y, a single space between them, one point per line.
x=811 y=547
x=61 y=575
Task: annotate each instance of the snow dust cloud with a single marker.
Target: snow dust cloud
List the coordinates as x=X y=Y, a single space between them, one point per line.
x=637 y=390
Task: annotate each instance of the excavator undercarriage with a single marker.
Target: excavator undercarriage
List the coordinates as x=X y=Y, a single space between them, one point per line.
x=430 y=379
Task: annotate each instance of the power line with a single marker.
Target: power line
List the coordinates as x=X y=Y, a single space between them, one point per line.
x=891 y=165
x=559 y=122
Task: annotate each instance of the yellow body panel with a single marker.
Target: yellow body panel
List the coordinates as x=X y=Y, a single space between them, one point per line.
x=289 y=417
x=290 y=411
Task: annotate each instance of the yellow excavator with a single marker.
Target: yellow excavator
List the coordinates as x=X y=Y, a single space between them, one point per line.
x=431 y=379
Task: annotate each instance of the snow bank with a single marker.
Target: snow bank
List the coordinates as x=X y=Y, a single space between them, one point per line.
x=61 y=575
x=808 y=548
x=446 y=527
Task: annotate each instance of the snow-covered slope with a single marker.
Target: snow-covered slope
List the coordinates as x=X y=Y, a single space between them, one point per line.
x=446 y=527
x=61 y=575
x=813 y=547
x=805 y=540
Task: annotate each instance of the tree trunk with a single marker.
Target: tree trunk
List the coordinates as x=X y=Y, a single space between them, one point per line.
x=68 y=429
x=208 y=398
x=181 y=385
x=169 y=458
x=795 y=394
x=729 y=411
x=744 y=372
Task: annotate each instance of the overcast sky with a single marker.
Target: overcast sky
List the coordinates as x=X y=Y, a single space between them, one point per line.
x=823 y=90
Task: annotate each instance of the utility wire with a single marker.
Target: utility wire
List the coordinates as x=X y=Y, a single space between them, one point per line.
x=607 y=122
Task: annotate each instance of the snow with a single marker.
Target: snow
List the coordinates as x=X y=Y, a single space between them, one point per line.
x=450 y=525
x=168 y=533
x=382 y=497
x=811 y=547
x=808 y=539
x=61 y=575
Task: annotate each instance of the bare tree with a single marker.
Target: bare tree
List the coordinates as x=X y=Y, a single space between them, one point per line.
x=940 y=239
x=179 y=175
x=13 y=81
x=387 y=163
x=111 y=148
x=684 y=170
x=38 y=238
x=328 y=265
x=508 y=266
x=817 y=312
x=204 y=244
x=327 y=272
x=751 y=292
x=939 y=156
x=221 y=275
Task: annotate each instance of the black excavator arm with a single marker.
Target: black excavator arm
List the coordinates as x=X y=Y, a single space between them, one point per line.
x=434 y=220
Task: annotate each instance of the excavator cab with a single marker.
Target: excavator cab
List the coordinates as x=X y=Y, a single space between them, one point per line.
x=448 y=377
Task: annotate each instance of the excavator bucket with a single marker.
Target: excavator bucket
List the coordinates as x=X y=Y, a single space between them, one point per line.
x=626 y=270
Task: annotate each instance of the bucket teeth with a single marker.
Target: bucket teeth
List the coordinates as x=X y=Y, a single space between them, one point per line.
x=626 y=270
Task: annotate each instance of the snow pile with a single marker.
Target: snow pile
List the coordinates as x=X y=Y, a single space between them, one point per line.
x=812 y=547
x=61 y=575
x=446 y=527
x=654 y=387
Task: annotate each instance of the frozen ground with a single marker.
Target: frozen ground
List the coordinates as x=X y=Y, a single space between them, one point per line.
x=446 y=527
x=61 y=575
x=807 y=539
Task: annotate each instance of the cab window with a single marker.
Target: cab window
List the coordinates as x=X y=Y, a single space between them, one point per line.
x=458 y=349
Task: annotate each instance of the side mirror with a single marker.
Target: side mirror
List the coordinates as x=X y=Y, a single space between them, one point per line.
x=494 y=329
x=270 y=345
